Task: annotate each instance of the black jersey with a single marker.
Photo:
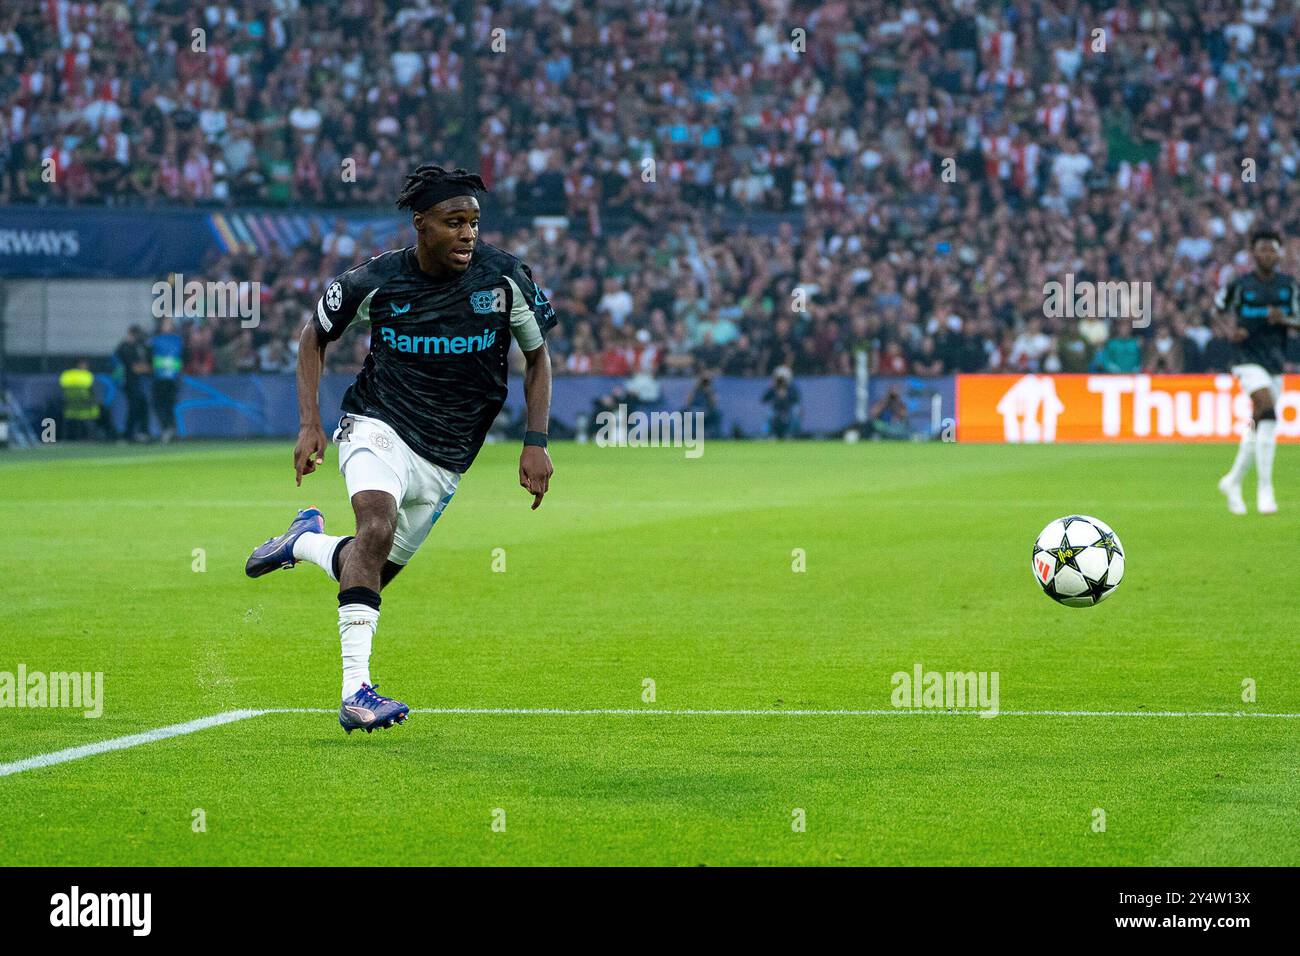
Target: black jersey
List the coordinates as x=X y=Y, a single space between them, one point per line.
x=436 y=372
x=1251 y=297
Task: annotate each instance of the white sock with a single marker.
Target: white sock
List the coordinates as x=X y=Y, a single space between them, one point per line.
x=357 y=623
x=317 y=549
x=1265 y=449
x=1245 y=456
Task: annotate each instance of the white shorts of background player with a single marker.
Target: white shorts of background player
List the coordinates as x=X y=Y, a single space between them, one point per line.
x=1253 y=377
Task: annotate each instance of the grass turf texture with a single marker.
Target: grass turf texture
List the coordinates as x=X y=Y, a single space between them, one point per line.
x=644 y=564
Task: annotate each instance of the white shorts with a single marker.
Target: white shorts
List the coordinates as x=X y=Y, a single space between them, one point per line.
x=1253 y=377
x=373 y=458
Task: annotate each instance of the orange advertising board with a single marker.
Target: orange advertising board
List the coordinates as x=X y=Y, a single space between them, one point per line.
x=1095 y=408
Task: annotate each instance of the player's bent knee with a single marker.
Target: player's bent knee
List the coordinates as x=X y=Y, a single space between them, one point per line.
x=375 y=534
x=1262 y=401
x=375 y=530
x=376 y=515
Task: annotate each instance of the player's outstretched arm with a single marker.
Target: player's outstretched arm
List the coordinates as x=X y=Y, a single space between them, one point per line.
x=310 y=449
x=535 y=467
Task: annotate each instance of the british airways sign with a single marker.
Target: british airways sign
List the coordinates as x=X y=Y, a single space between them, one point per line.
x=44 y=242
x=39 y=242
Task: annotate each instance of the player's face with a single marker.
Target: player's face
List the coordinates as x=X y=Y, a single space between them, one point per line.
x=448 y=232
x=1267 y=252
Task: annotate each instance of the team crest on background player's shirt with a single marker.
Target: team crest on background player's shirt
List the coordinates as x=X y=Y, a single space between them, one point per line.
x=487 y=301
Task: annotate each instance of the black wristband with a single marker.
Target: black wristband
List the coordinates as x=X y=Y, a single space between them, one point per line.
x=535 y=438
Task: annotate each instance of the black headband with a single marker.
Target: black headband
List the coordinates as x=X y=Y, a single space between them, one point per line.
x=434 y=193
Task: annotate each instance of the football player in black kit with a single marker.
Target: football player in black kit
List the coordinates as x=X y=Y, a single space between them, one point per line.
x=442 y=314
x=1263 y=303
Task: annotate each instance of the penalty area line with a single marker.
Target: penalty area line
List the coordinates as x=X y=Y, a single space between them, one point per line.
x=232 y=716
x=127 y=742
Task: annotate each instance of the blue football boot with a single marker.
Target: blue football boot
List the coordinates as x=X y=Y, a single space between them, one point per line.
x=366 y=710
x=278 y=552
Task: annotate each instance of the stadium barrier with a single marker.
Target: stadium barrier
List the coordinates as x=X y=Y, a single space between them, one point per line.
x=986 y=408
x=1112 y=408
x=265 y=405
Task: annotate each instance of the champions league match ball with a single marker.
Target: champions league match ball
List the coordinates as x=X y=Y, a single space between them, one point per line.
x=1078 y=561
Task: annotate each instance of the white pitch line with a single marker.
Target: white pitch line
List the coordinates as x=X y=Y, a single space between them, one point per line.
x=231 y=716
x=690 y=712
x=124 y=743
x=901 y=712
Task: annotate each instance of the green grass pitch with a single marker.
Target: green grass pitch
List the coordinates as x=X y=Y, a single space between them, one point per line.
x=643 y=564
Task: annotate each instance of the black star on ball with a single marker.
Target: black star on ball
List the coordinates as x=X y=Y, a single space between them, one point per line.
x=1065 y=554
x=1109 y=543
x=1099 y=589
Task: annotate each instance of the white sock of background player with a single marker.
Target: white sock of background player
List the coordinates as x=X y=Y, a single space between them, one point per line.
x=1240 y=465
x=1265 y=449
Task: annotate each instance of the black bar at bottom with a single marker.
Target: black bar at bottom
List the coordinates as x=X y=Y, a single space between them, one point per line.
x=329 y=905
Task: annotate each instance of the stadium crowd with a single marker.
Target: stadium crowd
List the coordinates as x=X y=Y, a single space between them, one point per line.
x=925 y=166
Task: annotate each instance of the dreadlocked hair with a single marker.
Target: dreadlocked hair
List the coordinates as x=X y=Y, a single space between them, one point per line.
x=429 y=175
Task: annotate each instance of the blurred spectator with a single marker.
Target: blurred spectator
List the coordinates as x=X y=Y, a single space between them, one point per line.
x=132 y=364
x=1121 y=354
x=783 y=395
x=888 y=418
x=703 y=400
x=167 y=349
x=894 y=361
x=199 y=357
